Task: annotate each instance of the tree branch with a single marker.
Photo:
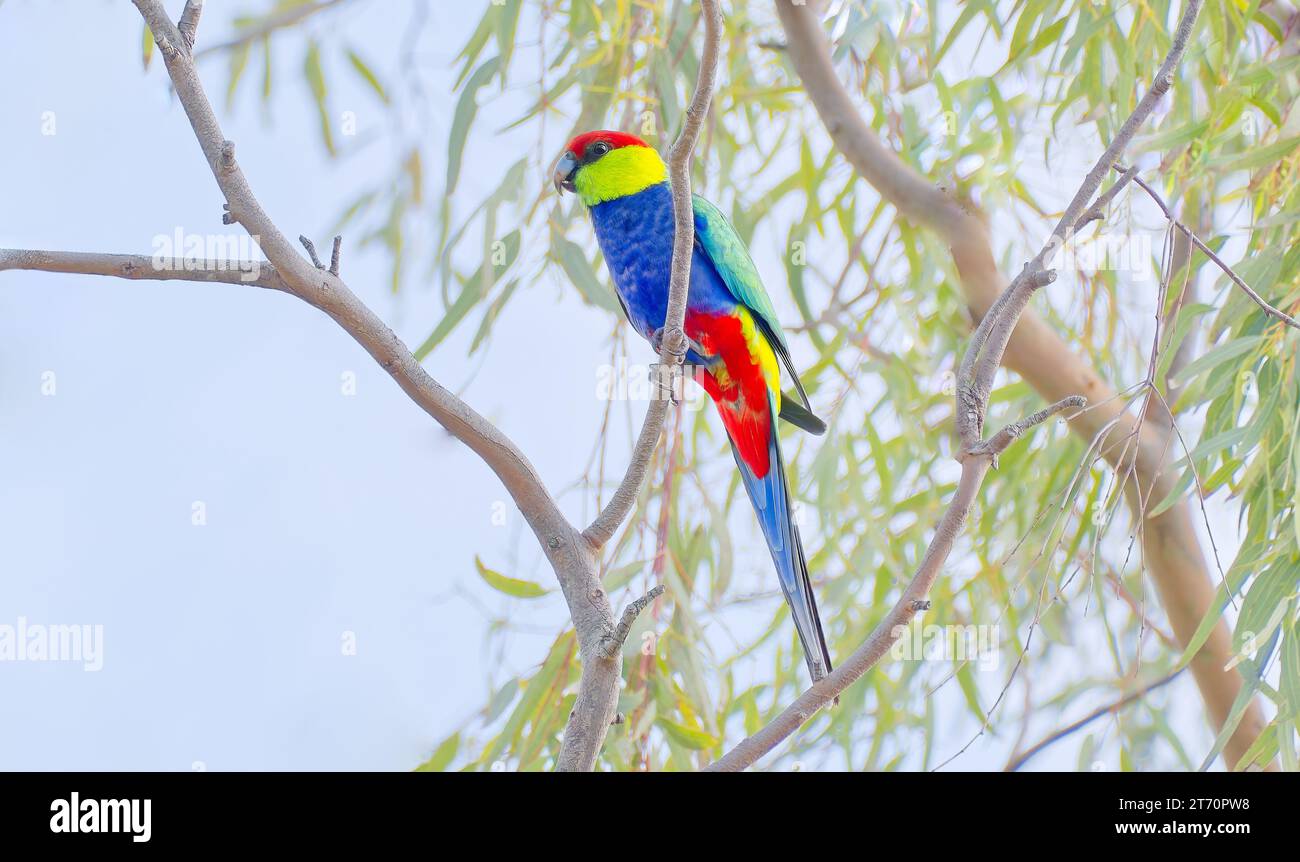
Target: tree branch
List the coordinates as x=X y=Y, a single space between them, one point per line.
x=1050 y=367
x=672 y=348
x=138 y=267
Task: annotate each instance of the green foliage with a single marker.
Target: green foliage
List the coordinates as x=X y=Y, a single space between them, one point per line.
x=988 y=99
x=510 y=586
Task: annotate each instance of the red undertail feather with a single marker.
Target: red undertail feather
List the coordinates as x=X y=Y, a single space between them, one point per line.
x=740 y=391
x=737 y=384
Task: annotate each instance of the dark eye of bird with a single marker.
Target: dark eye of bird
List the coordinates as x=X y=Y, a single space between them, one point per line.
x=599 y=148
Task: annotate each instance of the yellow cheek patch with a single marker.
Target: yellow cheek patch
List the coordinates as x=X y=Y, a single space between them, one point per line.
x=619 y=173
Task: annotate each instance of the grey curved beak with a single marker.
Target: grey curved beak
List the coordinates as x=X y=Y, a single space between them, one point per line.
x=565 y=168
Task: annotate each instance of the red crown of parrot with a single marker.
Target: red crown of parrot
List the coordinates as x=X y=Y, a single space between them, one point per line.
x=578 y=145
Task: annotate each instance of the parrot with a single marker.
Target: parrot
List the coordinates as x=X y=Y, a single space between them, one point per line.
x=731 y=326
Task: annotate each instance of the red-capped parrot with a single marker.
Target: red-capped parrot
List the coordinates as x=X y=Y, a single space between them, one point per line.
x=733 y=330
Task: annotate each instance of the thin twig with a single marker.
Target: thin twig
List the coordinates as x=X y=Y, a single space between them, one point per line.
x=1218 y=261
x=1098 y=210
x=1019 y=760
x=998 y=443
x=614 y=642
x=311 y=251
x=277 y=21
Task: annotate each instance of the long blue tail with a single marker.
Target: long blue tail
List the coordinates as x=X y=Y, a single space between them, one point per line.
x=771 y=498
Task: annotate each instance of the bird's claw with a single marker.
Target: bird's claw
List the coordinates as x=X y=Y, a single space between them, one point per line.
x=657 y=342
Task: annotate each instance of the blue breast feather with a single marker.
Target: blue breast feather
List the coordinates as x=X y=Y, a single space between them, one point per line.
x=636 y=236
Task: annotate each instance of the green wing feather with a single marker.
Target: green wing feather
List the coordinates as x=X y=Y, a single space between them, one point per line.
x=719 y=241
